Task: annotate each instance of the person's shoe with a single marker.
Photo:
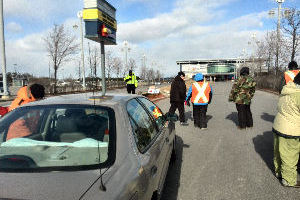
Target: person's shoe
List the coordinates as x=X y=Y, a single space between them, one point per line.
x=240 y=128
x=286 y=184
x=184 y=124
x=278 y=175
x=203 y=128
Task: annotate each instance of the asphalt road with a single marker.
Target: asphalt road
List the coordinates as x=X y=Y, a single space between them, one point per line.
x=222 y=162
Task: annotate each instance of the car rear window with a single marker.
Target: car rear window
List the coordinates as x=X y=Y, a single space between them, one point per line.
x=61 y=137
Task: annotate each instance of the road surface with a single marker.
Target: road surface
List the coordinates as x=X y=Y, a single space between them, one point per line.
x=222 y=162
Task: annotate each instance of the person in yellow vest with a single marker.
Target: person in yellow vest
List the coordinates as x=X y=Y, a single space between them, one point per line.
x=200 y=94
x=131 y=82
x=286 y=129
x=290 y=74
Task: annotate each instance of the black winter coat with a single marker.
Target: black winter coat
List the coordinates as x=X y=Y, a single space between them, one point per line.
x=178 y=90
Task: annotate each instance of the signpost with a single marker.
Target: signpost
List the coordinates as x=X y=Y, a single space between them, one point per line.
x=100 y=26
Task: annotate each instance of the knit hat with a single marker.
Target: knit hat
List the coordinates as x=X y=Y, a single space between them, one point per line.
x=181 y=73
x=293 y=65
x=198 y=77
x=244 y=71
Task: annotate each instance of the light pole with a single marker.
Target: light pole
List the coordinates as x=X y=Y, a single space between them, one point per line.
x=278 y=33
x=3 y=58
x=79 y=15
x=126 y=49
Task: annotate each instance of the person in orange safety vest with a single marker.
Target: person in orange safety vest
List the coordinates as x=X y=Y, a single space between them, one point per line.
x=200 y=94
x=290 y=74
x=24 y=127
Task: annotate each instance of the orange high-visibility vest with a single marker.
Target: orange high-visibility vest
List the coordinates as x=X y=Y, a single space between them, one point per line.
x=24 y=96
x=200 y=92
x=290 y=75
x=156 y=113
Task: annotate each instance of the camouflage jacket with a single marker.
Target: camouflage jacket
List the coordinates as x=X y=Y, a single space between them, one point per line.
x=243 y=90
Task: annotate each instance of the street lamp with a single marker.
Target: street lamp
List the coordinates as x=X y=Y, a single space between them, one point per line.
x=79 y=15
x=126 y=49
x=278 y=33
x=3 y=58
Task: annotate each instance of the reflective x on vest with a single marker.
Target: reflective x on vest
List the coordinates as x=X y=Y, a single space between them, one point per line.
x=290 y=75
x=156 y=113
x=201 y=92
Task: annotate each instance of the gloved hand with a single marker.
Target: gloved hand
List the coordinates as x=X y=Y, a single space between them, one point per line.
x=187 y=103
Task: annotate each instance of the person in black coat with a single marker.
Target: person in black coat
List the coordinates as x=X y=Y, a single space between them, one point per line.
x=177 y=96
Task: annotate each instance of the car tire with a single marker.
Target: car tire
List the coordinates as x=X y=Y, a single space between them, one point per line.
x=173 y=155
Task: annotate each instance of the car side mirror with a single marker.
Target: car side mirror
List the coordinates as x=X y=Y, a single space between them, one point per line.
x=171 y=117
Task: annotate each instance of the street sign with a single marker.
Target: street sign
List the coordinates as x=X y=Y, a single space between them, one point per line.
x=100 y=22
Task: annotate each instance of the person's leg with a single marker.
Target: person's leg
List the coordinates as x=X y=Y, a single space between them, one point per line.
x=172 y=108
x=276 y=159
x=203 y=116
x=249 y=119
x=128 y=89
x=133 y=89
x=241 y=115
x=196 y=113
x=180 y=106
x=289 y=154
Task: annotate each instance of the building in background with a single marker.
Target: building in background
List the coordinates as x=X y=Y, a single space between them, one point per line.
x=220 y=69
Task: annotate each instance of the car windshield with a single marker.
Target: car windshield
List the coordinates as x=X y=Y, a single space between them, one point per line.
x=51 y=137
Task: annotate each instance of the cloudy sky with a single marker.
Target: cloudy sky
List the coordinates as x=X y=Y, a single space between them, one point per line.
x=164 y=30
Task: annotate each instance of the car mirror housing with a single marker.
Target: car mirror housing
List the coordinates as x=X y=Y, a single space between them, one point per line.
x=171 y=117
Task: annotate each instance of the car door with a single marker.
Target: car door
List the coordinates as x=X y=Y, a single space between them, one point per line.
x=166 y=138
x=148 y=143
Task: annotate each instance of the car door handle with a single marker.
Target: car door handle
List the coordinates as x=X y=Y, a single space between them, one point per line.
x=153 y=171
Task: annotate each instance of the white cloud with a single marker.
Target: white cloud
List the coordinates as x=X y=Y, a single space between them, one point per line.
x=40 y=10
x=186 y=32
x=14 y=27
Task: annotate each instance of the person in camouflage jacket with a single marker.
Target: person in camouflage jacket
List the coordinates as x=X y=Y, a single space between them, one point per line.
x=241 y=93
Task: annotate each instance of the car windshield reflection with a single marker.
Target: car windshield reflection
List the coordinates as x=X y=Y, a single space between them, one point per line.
x=61 y=137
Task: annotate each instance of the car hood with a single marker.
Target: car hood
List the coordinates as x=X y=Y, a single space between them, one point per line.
x=50 y=185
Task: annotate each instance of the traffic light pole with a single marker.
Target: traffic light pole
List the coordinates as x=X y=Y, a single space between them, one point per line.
x=103 y=68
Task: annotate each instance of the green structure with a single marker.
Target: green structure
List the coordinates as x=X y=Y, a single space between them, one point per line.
x=220 y=68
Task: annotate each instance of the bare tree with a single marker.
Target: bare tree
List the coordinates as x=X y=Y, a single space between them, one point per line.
x=117 y=66
x=132 y=64
x=158 y=75
x=60 y=46
x=291 y=28
x=143 y=73
x=93 y=60
x=150 y=75
x=109 y=64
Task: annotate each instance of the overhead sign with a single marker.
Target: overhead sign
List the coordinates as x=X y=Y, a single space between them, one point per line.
x=101 y=5
x=100 y=22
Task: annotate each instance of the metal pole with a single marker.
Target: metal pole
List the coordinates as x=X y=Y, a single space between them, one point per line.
x=103 y=68
x=278 y=36
x=126 y=56
x=3 y=58
x=82 y=51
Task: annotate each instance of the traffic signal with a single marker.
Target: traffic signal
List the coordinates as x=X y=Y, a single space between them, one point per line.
x=105 y=31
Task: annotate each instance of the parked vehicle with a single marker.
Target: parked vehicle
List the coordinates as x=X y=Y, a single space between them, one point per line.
x=85 y=147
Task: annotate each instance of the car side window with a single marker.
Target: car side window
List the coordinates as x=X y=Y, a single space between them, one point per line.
x=143 y=127
x=155 y=111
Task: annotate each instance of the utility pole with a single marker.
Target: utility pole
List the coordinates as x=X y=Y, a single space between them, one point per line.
x=278 y=33
x=79 y=15
x=103 y=68
x=126 y=49
x=3 y=58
